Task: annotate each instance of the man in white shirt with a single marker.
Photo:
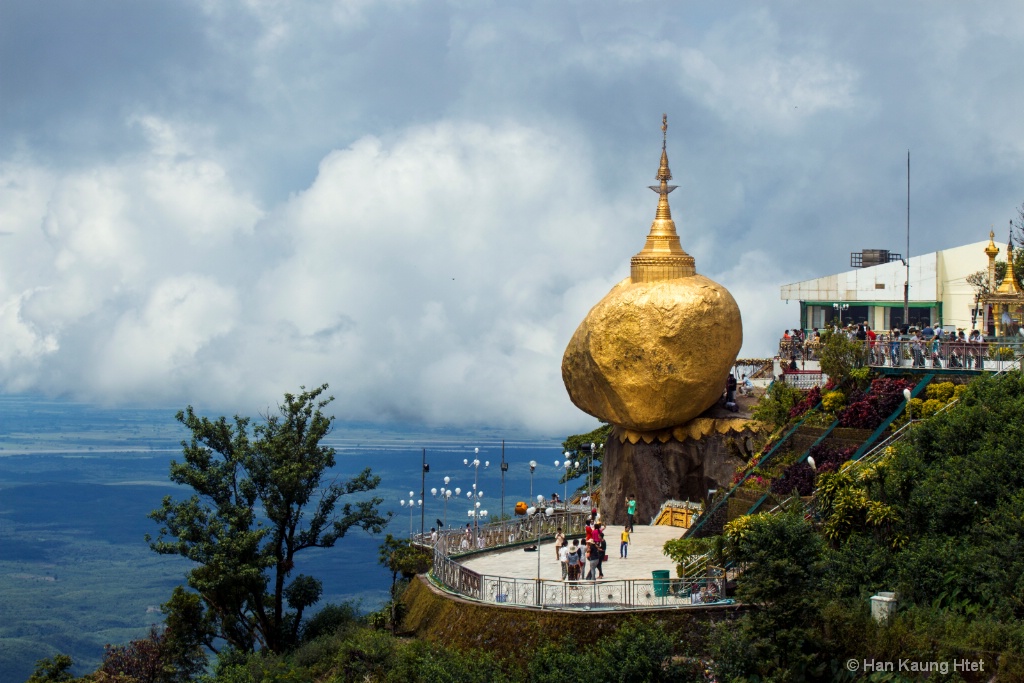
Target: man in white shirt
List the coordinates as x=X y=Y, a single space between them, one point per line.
x=563 y=558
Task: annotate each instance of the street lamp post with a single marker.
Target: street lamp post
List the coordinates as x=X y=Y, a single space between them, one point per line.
x=475 y=493
x=569 y=465
x=533 y=513
x=504 y=469
x=476 y=514
x=840 y=308
x=423 y=483
x=412 y=507
x=444 y=494
x=533 y=466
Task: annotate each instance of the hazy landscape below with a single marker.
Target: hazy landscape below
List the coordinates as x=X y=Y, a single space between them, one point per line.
x=76 y=484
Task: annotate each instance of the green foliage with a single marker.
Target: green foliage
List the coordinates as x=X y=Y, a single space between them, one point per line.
x=330 y=620
x=56 y=669
x=833 y=401
x=782 y=574
x=1000 y=352
x=683 y=550
x=579 y=446
x=258 y=501
x=774 y=406
x=839 y=356
x=637 y=651
x=188 y=630
x=147 y=660
x=860 y=377
x=940 y=391
x=429 y=663
x=781 y=557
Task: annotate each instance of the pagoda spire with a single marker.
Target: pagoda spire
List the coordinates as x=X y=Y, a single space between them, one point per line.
x=662 y=257
x=1009 y=284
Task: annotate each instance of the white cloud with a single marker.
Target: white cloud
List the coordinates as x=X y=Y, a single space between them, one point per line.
x=418 y=202
x=162 y=342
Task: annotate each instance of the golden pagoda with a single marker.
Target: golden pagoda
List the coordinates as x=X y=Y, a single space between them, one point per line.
x=1007 y=300
x=662 y=257
x=655 y=352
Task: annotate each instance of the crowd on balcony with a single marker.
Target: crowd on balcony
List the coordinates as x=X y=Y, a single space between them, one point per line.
x=921 y=346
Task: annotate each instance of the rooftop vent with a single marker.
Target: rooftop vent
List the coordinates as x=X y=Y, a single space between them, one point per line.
x=865 y=258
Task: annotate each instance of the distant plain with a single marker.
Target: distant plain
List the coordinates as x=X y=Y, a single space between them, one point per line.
x=76 y=484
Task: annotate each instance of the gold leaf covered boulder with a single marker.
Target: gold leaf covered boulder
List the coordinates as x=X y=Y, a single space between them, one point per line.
x=656 y=351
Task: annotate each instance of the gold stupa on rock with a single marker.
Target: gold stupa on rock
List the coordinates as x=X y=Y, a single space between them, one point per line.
x=656 y=350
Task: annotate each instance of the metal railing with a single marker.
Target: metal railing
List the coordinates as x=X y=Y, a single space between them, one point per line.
x=991 y=355
x=508 y=532
x=611 y=594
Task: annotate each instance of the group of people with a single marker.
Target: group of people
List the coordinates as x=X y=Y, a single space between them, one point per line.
x=937 y=345
x=585 y=560
x=954 y=348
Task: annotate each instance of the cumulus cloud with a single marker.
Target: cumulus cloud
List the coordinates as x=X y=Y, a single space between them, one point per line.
x=418 y=202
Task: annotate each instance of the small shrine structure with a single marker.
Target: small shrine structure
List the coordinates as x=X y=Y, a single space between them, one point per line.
x=1005 y=303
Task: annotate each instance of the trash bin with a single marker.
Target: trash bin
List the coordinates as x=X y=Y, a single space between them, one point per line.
x=660 y=583
x=883 y=606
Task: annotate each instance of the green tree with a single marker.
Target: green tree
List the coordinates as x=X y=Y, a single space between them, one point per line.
x=579 y=446
x=400 y=556
x=774 y=406
x=839 y=356
x=782 y=574
x=55 y=669
x=258 y=501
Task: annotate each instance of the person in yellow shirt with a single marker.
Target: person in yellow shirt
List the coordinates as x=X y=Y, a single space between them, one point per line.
x=624 y=546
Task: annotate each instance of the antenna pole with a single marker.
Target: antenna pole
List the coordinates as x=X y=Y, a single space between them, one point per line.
x=906 y=285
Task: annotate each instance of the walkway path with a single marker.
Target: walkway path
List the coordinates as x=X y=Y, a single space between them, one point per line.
x=645 y=556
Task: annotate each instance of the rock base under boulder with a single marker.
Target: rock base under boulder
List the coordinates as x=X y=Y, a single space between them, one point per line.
x=680 y=464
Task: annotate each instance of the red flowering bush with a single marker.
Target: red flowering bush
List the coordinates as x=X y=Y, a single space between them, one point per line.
x=889 y=393
x=860 y=415
x=811 y=399
x=799 y=477
x=866 y=411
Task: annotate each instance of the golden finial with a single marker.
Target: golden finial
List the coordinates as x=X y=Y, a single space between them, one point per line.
x=991 y=249
x=662 y=257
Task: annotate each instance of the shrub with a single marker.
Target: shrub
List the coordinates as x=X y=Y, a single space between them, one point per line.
x=860 y=415
x=329 y=620
x=930 y=407
x=828 y=457
x=810 y=399
x=798 y=477
x=940 y=391
x=866 y=411
x=833 y=401
x=775 y=406
x=1000 y=353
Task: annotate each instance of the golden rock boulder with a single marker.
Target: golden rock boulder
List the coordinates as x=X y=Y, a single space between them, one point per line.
x=656 y=351
x=652 y=355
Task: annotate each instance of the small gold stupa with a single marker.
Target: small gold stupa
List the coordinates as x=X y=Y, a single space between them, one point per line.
x=656 y=350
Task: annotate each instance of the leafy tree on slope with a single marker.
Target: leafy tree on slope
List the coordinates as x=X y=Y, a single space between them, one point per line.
x=258 y=501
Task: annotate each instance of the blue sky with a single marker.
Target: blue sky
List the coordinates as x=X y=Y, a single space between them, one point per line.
x=418 y=201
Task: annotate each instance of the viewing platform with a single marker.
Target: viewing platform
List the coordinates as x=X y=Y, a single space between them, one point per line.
x=510 y=570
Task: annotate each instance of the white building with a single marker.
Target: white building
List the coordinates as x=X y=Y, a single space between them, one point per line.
x=938 y=293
